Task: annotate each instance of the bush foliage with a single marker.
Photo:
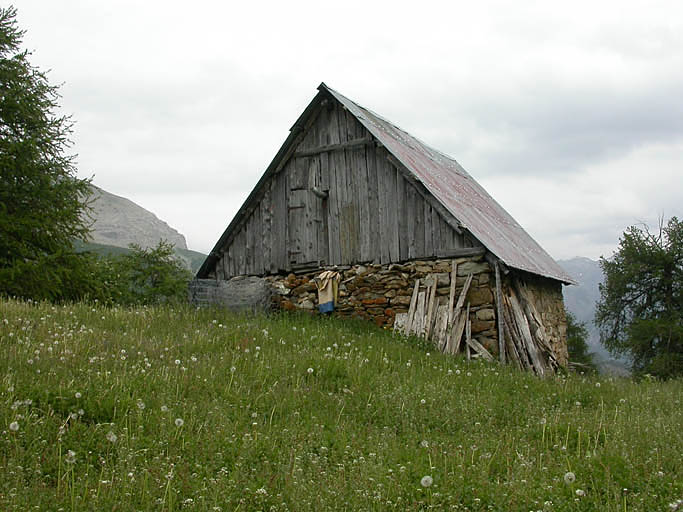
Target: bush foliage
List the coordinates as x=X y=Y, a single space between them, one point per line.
x=577 y=346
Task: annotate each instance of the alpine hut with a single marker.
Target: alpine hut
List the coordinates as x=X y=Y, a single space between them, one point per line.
x=417 y=243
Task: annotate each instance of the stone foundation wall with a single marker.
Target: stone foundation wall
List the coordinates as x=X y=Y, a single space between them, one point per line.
x=378 y=293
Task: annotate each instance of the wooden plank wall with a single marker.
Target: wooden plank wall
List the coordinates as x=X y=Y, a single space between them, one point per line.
x=372 y=213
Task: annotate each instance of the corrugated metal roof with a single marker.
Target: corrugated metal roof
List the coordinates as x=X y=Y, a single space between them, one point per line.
x=461 y=195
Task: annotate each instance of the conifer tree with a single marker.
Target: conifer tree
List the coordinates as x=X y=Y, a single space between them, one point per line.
x=41 y=199
x=640 y=312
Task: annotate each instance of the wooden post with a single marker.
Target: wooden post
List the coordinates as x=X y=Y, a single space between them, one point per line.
x=499 y=314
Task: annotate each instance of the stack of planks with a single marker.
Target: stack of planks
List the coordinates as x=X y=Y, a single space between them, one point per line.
x=523 y=341
x=526 y=341
x=446 y=325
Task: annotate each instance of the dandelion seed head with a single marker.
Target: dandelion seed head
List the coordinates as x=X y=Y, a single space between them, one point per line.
x=310 y=370
x=111 y=437
x=179 y=422
x=423 y=401
x=78 y=394
x=569 y=478
x=426 y=481
x=580 y=493
x=14 y=426
x=70 y=457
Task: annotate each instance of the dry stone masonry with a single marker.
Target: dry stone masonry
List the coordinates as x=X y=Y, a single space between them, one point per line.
x=382 y=292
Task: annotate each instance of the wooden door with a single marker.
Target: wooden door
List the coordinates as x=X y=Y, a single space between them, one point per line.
x=306 y=215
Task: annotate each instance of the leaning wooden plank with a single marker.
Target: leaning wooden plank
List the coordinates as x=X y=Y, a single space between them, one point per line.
x=463 y=296
x=440 y=325
x=458 y=325
x=535 y=322
x=468 y=331
x=455 y=336
x=451 y=295
x=420 y=314
x=512 y=349
x=479 y=348
x=400 y=321
x=499 y=315
x=411 y=310
x=431 y=313
x=515 y=336
x=527 y=339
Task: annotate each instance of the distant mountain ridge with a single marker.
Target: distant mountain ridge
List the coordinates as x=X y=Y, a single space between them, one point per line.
x=120 y=222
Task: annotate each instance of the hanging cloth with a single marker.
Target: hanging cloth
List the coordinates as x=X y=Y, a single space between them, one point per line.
x=327 y=283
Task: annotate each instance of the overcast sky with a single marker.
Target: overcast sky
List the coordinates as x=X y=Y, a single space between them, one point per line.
x=570 y=114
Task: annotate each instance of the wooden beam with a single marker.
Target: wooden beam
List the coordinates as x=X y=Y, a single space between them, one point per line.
x=463 y=252
x=363 y=141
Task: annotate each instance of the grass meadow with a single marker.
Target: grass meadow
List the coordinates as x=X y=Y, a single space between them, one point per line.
x=183 y=409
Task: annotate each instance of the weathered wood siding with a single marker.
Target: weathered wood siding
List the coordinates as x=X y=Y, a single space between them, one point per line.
x=372 y=212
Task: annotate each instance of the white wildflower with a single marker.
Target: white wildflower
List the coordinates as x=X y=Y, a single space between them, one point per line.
x=580 y=493
x=111 y=437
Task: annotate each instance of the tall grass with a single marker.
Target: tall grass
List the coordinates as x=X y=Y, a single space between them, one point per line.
x=177 y=408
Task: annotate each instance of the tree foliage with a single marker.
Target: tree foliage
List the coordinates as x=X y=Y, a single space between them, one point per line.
x=577 y=346
x=41 y=199
x=150 y=276
x=640 y=312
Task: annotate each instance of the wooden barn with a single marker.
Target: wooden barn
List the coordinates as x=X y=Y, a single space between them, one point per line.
x=418 y=243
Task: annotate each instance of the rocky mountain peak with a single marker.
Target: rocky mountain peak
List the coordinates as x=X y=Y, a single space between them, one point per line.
x=120 y=222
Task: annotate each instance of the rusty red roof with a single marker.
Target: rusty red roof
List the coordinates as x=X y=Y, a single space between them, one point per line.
x=460 y=194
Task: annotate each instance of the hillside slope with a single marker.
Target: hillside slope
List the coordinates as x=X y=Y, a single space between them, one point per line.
x=120 y=222
x=164 y=408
